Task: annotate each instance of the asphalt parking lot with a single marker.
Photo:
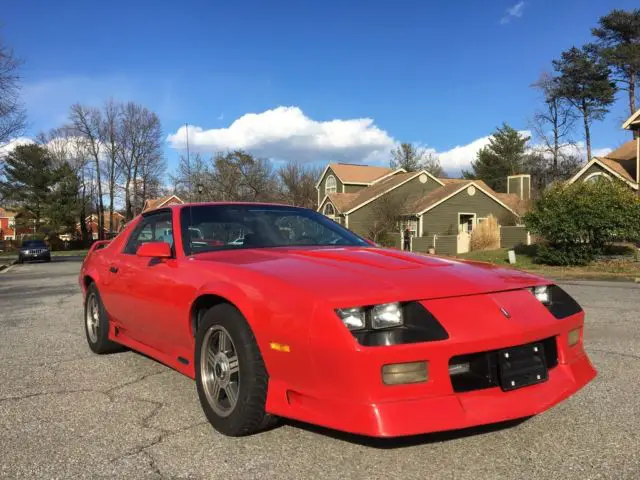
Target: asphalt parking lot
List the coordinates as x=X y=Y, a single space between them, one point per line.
x=67 y=413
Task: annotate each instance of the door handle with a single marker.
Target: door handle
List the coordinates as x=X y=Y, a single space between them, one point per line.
x=113 y=269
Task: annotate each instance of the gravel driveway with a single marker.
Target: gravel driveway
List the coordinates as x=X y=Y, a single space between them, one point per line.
x=67 y=413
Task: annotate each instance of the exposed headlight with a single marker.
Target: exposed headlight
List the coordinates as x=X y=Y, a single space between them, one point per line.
x=353 y=318
x=386 y=315
x=542 y=293
x=25 y=252
x=557 y=301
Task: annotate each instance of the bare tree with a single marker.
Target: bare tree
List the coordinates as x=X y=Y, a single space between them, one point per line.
x=13 y=118
x=151 y=172
x=192 y=172
x=431 y=163
x=553 y=123
x=141 y=141
x=298 y=184
x=110 y=132
x=86 y=123
x=239 y=176
x=386 y=213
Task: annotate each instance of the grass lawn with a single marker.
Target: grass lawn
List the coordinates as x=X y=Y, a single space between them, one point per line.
x=621 y=266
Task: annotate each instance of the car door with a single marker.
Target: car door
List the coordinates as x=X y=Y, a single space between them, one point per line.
x=141 y=297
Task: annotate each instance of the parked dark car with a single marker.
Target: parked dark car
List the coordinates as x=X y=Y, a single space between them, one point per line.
x=34 y=250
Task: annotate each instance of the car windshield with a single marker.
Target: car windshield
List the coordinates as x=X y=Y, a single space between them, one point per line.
x=223 y=227
x=33 y=244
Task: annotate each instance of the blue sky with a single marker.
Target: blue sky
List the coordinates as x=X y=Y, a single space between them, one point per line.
x=440 y=73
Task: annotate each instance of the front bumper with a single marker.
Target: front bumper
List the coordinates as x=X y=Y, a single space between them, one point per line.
x=463 y=410
x=347 y=392
x=34 y=256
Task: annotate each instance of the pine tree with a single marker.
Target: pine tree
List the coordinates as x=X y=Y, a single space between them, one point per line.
x=505 y=155
x=584 y=81
x=29 y=177
x=618 y=43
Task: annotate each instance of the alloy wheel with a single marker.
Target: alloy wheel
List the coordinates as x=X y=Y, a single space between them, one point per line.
x=220 y=370
x=93 y=318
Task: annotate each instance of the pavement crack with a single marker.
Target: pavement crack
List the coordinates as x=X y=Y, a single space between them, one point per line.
x=42 y=394
x=109 y=392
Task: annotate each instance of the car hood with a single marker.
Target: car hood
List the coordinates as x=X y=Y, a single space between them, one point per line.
x=362 y=274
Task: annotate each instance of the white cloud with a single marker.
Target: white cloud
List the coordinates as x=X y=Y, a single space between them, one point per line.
x=286 y=133
x=7 y=148
x=459 y=158
x=515 y=11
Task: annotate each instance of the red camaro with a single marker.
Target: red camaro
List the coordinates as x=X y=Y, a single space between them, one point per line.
x=278 y=311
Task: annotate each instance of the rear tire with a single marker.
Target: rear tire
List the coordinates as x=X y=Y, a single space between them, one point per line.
x=231 y=377
x=96 y=324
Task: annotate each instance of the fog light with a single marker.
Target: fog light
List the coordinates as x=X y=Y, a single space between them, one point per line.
x=399 y=373
x=574 y=337
x=459 y=368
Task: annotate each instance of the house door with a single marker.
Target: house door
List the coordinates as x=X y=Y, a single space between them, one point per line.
x=464 y=241
x=466 y=222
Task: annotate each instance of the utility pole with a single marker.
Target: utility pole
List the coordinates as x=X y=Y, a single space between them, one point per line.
x=188 y=163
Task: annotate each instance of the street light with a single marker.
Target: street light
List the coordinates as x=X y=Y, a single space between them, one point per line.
x=200 y=188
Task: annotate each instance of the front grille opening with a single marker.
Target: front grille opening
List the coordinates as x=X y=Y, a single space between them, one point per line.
x=477 y=371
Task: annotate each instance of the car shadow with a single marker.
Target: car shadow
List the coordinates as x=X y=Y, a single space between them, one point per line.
x=409 y=441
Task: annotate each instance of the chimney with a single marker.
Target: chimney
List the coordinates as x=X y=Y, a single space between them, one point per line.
x=520 y=185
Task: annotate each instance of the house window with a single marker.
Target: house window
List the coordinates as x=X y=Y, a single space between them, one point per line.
x=330 y=186
x=482 y=219
x=595 y=177
x=466 y=222
x=329 y=211
x=411 y=224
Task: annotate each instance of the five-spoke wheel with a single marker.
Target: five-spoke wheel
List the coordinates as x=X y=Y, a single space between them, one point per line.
x=220 y=370
x=231 y=377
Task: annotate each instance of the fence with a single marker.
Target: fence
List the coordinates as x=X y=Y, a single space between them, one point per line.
x=511 y=237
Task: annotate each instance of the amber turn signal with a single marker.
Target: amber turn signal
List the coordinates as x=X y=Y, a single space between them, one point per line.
x=401 y=373
x=574 y=337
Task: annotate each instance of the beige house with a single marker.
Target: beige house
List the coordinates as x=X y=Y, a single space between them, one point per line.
x=154 y=203
x=440 y=213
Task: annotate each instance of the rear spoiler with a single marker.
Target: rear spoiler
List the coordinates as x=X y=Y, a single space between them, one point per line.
x=98 y=245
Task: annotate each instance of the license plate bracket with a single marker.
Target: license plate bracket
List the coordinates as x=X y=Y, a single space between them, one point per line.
x=522 y=366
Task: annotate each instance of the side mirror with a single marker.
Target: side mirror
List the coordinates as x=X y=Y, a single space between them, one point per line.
x=154 y=250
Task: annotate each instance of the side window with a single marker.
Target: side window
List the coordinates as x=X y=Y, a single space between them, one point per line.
x=153 y=228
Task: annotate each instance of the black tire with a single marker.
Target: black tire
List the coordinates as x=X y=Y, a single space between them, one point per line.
x=20 y=260
x=248 y=416
x=98 y=339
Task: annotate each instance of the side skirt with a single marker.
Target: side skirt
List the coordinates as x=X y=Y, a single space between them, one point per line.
x=167 y=360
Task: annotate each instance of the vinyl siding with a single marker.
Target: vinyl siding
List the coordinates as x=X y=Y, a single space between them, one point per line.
x=595 y=168
x=514 y=186
x=321 y=193
x=443 y=219
x=353 y=188
x=361 y=218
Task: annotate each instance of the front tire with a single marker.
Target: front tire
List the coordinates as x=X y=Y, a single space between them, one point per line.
x=96 y=323
x=231 y=377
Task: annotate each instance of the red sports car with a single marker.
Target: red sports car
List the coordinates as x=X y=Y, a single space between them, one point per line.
x=277 y=311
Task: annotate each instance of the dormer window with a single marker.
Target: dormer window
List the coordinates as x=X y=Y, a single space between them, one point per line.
x=330 y=186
